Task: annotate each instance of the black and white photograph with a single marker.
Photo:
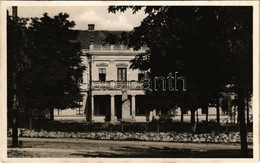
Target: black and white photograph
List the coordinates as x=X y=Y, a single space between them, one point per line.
x=130 y=80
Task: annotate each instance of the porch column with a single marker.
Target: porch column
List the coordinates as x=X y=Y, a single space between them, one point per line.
x=92 y=108
x=112 y=108
x=133 y=107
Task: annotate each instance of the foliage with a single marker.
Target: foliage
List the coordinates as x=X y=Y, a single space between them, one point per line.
x=197 y=42
x=17 y=60
x=51 y=82
x=210 y=46
x=113 y=39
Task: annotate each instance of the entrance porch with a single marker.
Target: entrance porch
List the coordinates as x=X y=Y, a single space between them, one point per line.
x=108 y=108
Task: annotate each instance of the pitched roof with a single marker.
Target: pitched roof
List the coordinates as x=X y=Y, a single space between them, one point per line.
x=98 y=35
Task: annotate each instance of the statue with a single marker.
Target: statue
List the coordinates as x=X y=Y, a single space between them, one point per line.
x=125 y=105
x=124 y=95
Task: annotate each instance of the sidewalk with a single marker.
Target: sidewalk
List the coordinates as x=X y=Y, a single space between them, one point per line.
x=42 y=147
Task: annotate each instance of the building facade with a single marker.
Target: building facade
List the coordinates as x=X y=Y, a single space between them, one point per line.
x=108 y=67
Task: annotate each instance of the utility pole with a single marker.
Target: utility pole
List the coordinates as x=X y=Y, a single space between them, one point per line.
x=15 y=100
x=89 y=115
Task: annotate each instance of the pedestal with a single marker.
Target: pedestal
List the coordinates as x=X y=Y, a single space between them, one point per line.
x=126 y=111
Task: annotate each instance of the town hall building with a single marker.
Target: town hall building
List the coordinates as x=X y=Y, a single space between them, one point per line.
x=108 y=67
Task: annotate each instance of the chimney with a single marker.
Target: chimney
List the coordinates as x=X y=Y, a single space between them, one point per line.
x=91 y=27
x=14 y=12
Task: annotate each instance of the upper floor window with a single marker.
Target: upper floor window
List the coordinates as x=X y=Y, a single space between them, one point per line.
x=185 y=111
x=121 y=74
x=141 y=75
x=102 y=74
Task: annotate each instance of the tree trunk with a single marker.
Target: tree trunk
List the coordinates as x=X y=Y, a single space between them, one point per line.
x=89 y=115
x=14 y=122
x=158 y=126
x=14 y=115
x=88 y=107
x=247 y=112
x=207 y=116
x=230 y=111
x=15 y=130
x=51 y=114
x=197 y=116
x=218 y=116
x=192 y=121
x=30 y=125
x=242 y=125
x=122 y=127
x=182 y=116
x=27 y=117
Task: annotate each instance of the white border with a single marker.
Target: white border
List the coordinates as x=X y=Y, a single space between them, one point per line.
x=3 y=79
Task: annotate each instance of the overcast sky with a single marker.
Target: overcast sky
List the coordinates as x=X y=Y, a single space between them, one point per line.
x=83 y=16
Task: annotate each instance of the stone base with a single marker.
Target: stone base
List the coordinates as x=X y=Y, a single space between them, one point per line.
x=126 y=110
x=113 y=118
x=126 y=120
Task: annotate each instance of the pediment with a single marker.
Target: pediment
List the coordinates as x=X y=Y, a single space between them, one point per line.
x=102 y=64
x=121 y=65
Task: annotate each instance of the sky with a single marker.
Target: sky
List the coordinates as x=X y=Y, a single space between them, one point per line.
x=83 y=16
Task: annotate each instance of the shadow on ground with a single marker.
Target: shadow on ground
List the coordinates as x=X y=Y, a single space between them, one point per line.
x=129 y=152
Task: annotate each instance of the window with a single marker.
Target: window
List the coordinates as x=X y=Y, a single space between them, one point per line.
x=102 y=74
x=121 y=74
x=185 y=111
x=101 y=105
x=140 y=105
x=204 y=111
x=225 y=106
x=141 y=75
x=79 y=110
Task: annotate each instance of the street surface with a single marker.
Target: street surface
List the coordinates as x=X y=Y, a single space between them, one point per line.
x=71 y=148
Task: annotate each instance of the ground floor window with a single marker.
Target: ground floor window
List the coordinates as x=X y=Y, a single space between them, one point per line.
x=79 y=110
x=101 y=105
x=140 y=105
x=118 y=106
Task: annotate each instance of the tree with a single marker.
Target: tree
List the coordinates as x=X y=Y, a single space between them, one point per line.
x=210 y=46
x=17 y=63
x=236 y=43
x=111 y=39
x=51 y=81
x=176 y=45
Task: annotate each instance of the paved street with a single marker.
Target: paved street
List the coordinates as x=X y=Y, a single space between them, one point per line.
x=41 y=147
